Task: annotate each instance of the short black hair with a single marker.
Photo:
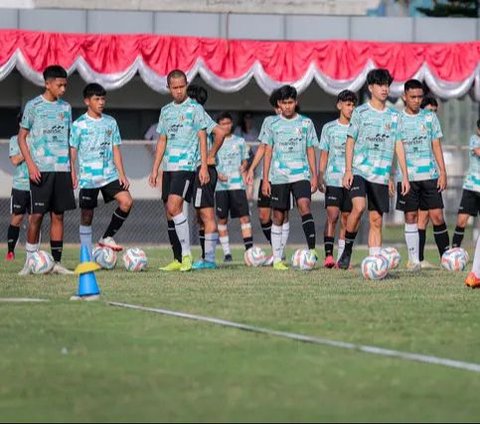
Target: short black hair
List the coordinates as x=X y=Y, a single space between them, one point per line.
x=54 y=71
x=224 y=115
x=197 y=93
x=93 y=89
x=176 y=73
x=287 y=92
x=273 y=99
x=413 y=84
x=429 y=101
x=380 y=77
x=347 y=96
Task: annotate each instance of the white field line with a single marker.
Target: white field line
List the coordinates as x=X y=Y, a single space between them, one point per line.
x=417 y=357
x=21 y=300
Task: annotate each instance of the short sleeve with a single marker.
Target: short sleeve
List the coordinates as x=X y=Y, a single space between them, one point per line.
x=354 y=127
x=436 y=128
x=312 y=138
x=474 y=142
x=28 y=116
x=161 y=127
x=210 y=123
x=14 y=150
x=199 y=118
x=116 y=139
x=75 y=134
x=266 y=135
x=325 y=139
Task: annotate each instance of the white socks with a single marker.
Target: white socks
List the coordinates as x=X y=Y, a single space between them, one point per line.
x=285 y=233
x=374 y=250
x=413 y=241
x=476 y=259
x=341 y=248
x=211 y=241
x=30 y=249
x=183 y=233
x=86 y=236
x=225 y=242
x=277 y=242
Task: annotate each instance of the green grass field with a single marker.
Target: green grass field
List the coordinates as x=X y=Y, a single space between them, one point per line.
x=87 y=361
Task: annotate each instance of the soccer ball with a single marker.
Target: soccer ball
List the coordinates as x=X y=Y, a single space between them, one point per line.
x=304 y=259
x=392 y=256
x=135 y=259
x=375 y=267
x=455 y=259
x=41 y=262
x=254 y=256
x=105 y=257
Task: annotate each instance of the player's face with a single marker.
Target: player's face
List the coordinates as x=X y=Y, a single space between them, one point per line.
x=432 y=108
x=379 y=92
x=226 y=125
x=413 y=99
x=346 y=109
x=178 y=89
x=96 y=104
x=56 y=87
x=287 y=107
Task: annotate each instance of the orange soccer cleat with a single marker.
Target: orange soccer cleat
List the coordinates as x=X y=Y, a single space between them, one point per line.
x=472 y=281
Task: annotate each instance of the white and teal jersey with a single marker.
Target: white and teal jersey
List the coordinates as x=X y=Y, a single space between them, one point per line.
x=472 y=178
x=49 y=125
x=20 y=175
x=180 y=123
x=229 y=159
x=290 y=139
x=375 y=135
x=94 y=140
x=417 y=133
x=333 y=141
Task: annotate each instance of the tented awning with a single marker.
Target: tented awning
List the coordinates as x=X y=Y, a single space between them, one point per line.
x=449 y=69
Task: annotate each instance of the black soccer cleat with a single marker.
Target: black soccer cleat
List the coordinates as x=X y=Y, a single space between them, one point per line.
x=228 y=258
x=344 y=261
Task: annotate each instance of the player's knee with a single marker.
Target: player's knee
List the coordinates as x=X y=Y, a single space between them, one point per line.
x=376 y=221
x=126 y=203
x=358 y=209
x=56 y=217
x=173 y=209
x=304 y=207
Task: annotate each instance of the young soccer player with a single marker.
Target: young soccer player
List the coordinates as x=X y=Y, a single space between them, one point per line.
x=289 y=167
x=331 y=169
x=182 y=142
x=470 y=203
x=371 y=144
x=420 y=133
x=46 y=122
x=95 y=141
x=230 y=194
x=20 y=198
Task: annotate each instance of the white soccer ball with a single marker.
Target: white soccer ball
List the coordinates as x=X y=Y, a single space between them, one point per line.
x=303 y=259
x=135 y=259
x=105 y=257
x=392 y=255
x=375 y=267
x=255 y=256
x=41 y=262
x=455 y=259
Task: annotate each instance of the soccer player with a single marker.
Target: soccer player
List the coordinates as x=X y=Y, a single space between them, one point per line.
x=470 y=203
x=331 y=169
x=230 y=194
x=371 y=144
x=182 y=142
x=289 y=167
x=20 y=198
x=420 y=133
x=95 y=141
x=46 y=122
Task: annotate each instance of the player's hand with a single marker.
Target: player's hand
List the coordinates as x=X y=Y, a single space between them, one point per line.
x=313 y=184
x=250 y=177
x=152 y=179
x=203 y=175
x=321 y=184
x=211 y=161
x=442 y=182
x=123 y=180
x=405 y=187
x=243 y=168
x=74 y=179
x=34 y=173
x=266 y=188
x=347 y=179
x=391 y=187
x=223 y=178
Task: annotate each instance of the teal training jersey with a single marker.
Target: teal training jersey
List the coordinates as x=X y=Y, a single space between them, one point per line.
x=375 y=135
x=265 y=123
x=94 y=140
x=417 y=133
x=20 y=175
x=49 y=125
x=180 y=123
x=230 y=157
x=472 y=178
x=290 y=139
x=333 y=141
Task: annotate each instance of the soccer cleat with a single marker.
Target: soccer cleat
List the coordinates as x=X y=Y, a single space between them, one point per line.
x=344 y=261
x=172 y=266
x=228 y=258
x=26 y=270
x=472 y=280
x=314 y=252
x=427 y=265
x=268 y=261
x=186 y=263
x=329 y=262
x=414 y=266
x=59 y=269
x=280 y=266
x=10 y=256
x=110 y=243
x=203 y=264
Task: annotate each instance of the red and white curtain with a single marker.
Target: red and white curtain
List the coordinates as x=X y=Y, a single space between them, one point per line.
x=449 y=69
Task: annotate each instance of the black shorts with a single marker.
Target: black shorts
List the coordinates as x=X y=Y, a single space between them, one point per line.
x=470 y=202
x=282 y=194
x=263 y=201
x=377 y=194
x=88 y=196
x=233 y=201
x=423 y=195
x=179 y=183
x=19 y=202
x=54 y=193
x=204 y=196
x=338 y=197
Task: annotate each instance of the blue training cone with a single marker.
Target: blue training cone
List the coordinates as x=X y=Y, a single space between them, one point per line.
x=87 y=282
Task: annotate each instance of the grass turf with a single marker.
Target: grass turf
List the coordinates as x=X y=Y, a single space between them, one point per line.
x=70 y=361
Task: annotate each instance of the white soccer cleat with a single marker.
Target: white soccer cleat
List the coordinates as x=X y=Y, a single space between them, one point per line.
x=427 y=265
x=26 y=270
x=59 y=269
x=414 y=266
x=110 y=243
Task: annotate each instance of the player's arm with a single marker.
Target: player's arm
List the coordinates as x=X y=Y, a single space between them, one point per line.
x=312 y=162
x=118 y=161
x=348 y=176
x=266 y=189
x=322 y=166
x=402 y=163
x=73 y=165
x=33 y=171
x=218 y=138
x=203 y=175
x=438 y=154
x=259 y=154
x=159 y=152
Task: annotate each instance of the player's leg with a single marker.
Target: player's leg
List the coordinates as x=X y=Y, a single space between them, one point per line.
x=265 y=214
x=462 y=221
x=468 y=207
x=302 y=193
x=246 y=227
x=176 y=264
x=222 y=207
x=332 y=206
x=286 y=229
x=375 y=220
x=88 y=202
x=280 y=203
x=201 y=233
x=19 y=204
x=473 y=278
x=432 y=201
x=423 y=219
x=239 y=209
x=341 y=233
